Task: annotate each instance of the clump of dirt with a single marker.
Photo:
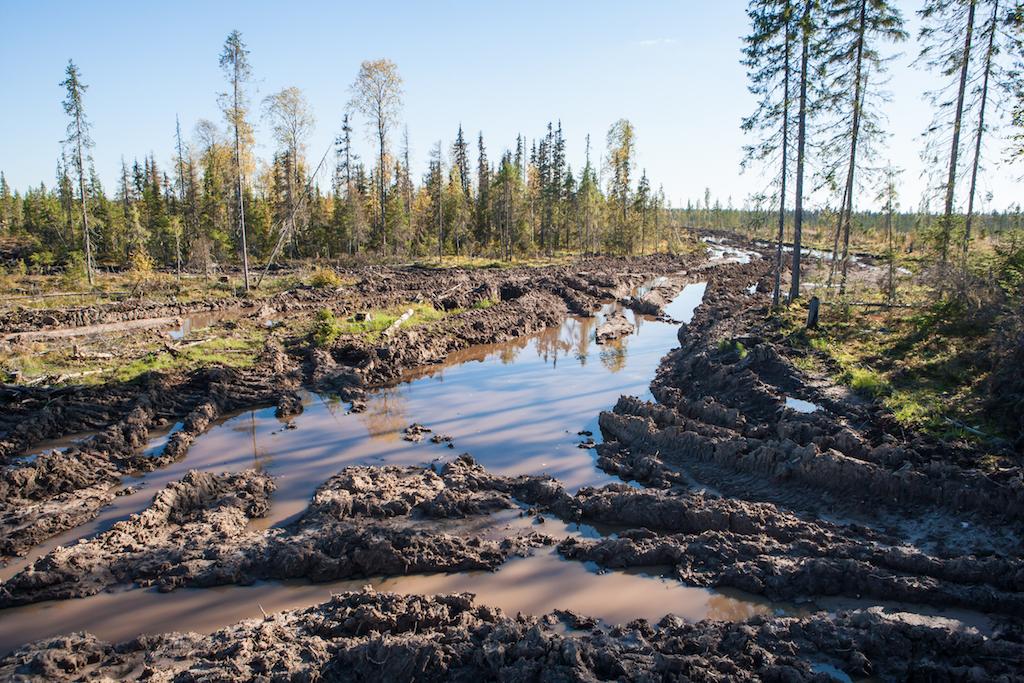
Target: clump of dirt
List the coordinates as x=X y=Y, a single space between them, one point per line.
x=614 y=327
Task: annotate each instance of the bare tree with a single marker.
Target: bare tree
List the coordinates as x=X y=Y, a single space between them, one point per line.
x=377 y=94
x=291 y=122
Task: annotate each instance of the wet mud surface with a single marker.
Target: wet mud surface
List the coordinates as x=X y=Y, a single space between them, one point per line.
x=789 y=529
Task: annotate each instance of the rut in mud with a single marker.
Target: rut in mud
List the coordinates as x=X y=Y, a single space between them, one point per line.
x=743 y=474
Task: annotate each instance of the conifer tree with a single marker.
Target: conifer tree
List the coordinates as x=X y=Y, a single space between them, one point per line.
x=234 y=60
x=78 y=137
x=853 y=32
x=483 y=195
x=768 y=57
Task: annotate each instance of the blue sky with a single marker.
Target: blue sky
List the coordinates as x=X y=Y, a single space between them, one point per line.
x=503 y=68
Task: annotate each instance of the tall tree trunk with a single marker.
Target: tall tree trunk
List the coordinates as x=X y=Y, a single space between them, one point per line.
x=785 y=170
x=947 y=216
x=81 y=192
x=238 y=173
x=989 y=52
x=381 y=190
x=798 y=217
x=858 y=89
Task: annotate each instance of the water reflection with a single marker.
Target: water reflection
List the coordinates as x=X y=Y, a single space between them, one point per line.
x=516 y=407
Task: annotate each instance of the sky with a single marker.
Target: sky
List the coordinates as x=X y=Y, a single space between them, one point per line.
x=670 y=67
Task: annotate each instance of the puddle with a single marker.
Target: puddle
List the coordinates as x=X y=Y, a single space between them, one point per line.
x=534 y=585
x=834 y=672
x=50 y=446
x=200 y=321
x=801 y=406
x=516 y=407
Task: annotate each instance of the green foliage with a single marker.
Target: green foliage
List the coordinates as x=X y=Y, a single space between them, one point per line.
x=326 y=328
x=866 y=381
x=74 y=275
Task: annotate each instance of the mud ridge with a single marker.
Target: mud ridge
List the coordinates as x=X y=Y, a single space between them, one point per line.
x=370 y=636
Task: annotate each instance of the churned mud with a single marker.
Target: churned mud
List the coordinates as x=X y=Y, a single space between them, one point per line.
x=850 y=548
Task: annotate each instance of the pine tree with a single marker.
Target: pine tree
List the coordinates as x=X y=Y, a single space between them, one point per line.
x=234 y=60
x=807 y=28
x=768 y=57
x=853 y=31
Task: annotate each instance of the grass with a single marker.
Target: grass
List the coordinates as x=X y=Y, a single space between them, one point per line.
x=923 y=365
x=327 y=327
x=229 y=352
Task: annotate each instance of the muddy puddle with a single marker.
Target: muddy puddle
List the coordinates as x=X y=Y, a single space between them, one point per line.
x=523 y=407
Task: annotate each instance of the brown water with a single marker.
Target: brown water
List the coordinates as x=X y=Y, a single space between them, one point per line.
x=516 y=407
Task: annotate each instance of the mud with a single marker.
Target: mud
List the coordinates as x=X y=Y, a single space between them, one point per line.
x=729 y=487
x=387 y=637
x=613 y=328
x=41 y=498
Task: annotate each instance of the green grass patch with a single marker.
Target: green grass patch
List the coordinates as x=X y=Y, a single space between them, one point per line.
x=327 y=327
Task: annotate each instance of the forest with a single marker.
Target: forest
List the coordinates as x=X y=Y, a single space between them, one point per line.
x=818 y=70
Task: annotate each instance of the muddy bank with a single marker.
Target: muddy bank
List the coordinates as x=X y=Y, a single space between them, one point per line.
x=364 y=521
x=386 y=637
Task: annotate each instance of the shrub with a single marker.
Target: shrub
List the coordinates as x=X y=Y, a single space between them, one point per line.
x=74 y=270
x=326 y=328
x=325 y=278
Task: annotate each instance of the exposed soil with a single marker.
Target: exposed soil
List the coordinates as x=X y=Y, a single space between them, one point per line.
x=371 y=636
x=60 y=490
x=737 y=488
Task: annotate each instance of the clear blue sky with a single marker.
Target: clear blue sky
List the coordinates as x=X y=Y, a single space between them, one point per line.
x=503 y=68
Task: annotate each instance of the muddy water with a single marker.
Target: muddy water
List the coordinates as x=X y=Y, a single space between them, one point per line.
x=516 y=407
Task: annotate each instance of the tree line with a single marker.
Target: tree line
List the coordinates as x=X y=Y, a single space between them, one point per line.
x=818 y=70
x=217 y=203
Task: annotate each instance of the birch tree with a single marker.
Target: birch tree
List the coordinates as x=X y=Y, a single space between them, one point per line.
x=377 y=94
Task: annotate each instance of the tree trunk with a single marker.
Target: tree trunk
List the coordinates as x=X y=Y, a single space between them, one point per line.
x=858 y=89
x=947 y=216
x=981 y=129
x=798 y=218
x=785 y=170
x=238 y=171
x=380 y=184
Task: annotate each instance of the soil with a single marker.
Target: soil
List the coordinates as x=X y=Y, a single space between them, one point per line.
x=730 y=486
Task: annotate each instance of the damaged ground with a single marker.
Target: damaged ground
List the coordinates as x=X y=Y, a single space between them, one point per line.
x=745 y=473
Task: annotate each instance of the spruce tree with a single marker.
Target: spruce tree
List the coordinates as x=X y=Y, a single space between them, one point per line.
x=483 y=195
x=79 y=139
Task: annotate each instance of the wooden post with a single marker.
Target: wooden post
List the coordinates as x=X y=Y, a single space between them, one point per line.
x=812 y=313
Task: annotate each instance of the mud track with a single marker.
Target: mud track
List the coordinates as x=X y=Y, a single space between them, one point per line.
x=55 y=491
x=372 y=636
x=739 y=489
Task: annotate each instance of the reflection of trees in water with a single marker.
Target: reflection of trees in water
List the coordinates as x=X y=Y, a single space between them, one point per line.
x=510 y=352
x=551 y=341
x=583 y=339
x=613 y=355
x=384 y=416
